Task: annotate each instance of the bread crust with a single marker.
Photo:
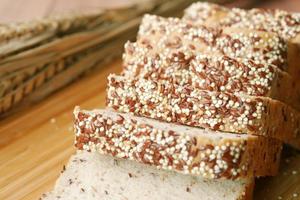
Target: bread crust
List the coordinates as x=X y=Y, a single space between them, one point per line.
x=207 y=72
x=285 y=24
x=260 y=46
x=200 y=108
x=178 y=148
x=248 y=191
x=159 y=38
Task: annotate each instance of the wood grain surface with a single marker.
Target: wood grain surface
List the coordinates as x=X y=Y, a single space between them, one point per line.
x=36 y=142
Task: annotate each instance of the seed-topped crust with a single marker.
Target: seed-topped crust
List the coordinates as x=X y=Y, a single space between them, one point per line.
x=163 y=33
x=282 y=23
x=193 y=151
x=213 y=73
x=222 y=111
x=285 y=24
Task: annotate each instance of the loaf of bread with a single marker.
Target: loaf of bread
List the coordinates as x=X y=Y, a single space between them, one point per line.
x=189 y=150
x=262 y=47
x=281 y=22
x=91 y=176
x=285 y=24
x=170 y=102
x=213 y=73
x=198 y=112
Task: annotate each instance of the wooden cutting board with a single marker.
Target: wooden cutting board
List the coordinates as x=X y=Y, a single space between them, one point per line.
x=36 y=142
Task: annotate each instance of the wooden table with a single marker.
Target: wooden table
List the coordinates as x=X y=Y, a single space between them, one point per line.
x=36 y=142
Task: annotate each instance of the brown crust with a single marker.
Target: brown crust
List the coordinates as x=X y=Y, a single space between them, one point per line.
x=260 y=46
x=213 y=73
x=200 y=108
x=285 y=24
x=294 y=59
x=248 y=195
x=277 y=21
x=122 y=136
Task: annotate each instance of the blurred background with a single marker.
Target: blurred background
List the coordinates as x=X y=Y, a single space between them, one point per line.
x=20 y=10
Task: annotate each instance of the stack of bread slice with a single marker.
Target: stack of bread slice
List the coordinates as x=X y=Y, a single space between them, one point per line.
x=282 y=23
x=201 y=108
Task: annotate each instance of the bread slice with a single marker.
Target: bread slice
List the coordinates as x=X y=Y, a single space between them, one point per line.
x=163 y=33
x=285 y=24
x=91 y=176
x=184 y=149
x=213 y=73
x=168 y=101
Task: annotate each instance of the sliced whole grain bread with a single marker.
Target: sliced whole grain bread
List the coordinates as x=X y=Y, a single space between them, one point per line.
x=168 y=101
x=91 y=176
x=285 y=24
x=163 y=33
x=211 y=72
x=189 y=150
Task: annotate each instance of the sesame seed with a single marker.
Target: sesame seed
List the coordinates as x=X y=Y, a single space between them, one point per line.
x=52 y=120
x=295 y=195
x=136 y=144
